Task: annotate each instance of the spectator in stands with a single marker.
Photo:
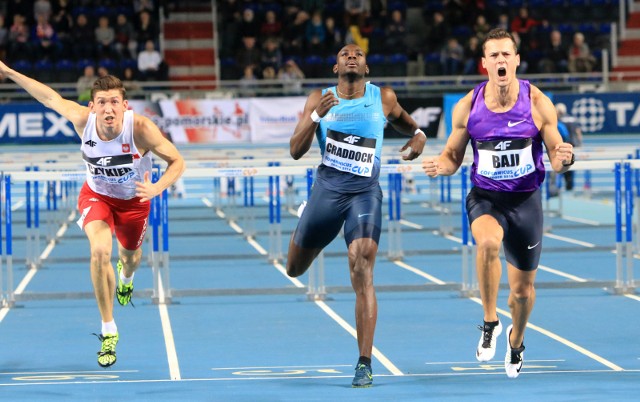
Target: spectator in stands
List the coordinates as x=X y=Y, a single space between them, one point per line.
x=105 y=38
x=18 y=42
x=62 y=22
x=481 y=27
x=334 y=39
x=271 y=26
x=22 y=7
x=452 y=57
x=437 y=33
x=271 y=55
x=249 y=55
x=572 y=133
x=294 y=32
x=42 y=8
x=248 y=82
x=125 y=38
x=4 y=37
x=523 y=24
x=150 y=63
x=291 y=76
x=580 y=58
x=83 y=38
x=103 y=71
x=85 y=83
x=554 y=59
x=315 y=34
x=395 y=33
x=249 y=26
x=472 y=55
x=131 y=84
x=146 y=30
x=524 y=64
x=356 y=12
x=503 y=22
x=45 y=39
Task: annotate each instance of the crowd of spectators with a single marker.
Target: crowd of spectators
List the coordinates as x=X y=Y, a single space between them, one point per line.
x=107 y=34
x=445 y=35
x=268 y=38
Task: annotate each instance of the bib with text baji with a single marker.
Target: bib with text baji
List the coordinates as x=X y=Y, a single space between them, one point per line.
x=505 y=159
x=349 y=153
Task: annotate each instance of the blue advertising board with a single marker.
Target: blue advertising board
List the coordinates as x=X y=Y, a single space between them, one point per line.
x=34 y=124
x=607 y=113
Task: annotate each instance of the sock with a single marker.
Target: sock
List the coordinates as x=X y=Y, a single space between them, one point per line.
x=124 y=279
x=491 y=324
x=364 y=360
x=109 y=327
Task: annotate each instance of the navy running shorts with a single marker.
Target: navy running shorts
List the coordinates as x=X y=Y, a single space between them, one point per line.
x=520 y=216
x=327 y=211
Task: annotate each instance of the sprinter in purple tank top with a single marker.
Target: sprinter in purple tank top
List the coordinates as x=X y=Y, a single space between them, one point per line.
x=507 y=121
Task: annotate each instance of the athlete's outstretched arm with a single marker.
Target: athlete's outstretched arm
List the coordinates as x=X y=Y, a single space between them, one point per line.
x=403 y=123
x=72 y=111
x=453 y=153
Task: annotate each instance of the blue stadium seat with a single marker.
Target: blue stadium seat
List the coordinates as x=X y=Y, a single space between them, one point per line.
x=66 y=71
x=110 y=65
x=43 y=71
x=314 y=66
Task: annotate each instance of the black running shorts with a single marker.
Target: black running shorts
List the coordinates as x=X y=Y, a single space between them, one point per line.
x=521 y=218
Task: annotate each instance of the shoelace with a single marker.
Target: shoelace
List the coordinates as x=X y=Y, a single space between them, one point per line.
x=487 y=335
x=126 y=292
x=108 y=343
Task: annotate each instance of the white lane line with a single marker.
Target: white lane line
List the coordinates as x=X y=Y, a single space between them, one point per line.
x=581 y=220
x=570 y=240
x=560 y=339
x=379 y=355
x=419 y=272
x=411 y=224
x=169 y=342
x=560 y=273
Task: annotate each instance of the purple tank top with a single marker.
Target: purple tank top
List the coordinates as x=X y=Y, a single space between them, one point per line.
x=507 y=147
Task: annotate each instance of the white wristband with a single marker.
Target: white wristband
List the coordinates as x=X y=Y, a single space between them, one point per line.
x=315 y=117
x=419 y=131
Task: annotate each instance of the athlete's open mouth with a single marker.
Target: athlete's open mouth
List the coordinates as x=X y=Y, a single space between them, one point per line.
x=502 y=72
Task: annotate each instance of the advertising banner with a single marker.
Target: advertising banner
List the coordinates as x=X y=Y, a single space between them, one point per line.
x=274 y=119
x=34 y=124
x=612 y=113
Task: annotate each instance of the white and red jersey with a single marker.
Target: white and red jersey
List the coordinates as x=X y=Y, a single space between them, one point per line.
x=113 y=167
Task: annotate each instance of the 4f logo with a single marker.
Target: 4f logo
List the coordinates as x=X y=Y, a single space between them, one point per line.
x=91 y=143
x=503 y=145
x=352 y=139
x=106 y=161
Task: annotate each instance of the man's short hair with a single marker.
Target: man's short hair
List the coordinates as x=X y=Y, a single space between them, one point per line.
x=107 y=83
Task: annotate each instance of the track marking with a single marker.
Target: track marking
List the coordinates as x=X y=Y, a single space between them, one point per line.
x=581 y=220
x=169 y=342
x=419 y=272
x=318 y=377
x=560 y=339
x=411 y=224
x=570 y=240
x=560 y=273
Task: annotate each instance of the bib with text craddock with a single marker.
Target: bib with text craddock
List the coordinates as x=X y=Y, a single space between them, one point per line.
x=349 y=153
x=505 y=159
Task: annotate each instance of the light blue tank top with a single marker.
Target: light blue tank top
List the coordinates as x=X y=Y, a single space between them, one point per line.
x=350 y=138
x=507 y=147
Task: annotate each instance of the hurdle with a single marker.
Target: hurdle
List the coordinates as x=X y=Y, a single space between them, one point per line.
x=394 y=188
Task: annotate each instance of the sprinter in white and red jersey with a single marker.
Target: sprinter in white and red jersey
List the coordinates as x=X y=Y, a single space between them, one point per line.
x=116 y=147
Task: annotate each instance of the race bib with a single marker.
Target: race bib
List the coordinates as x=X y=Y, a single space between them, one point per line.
x=349 y=153
x=506 y=159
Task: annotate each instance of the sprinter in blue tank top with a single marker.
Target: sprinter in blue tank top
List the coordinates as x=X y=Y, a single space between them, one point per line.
x=507 y=121
x=348 y=121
